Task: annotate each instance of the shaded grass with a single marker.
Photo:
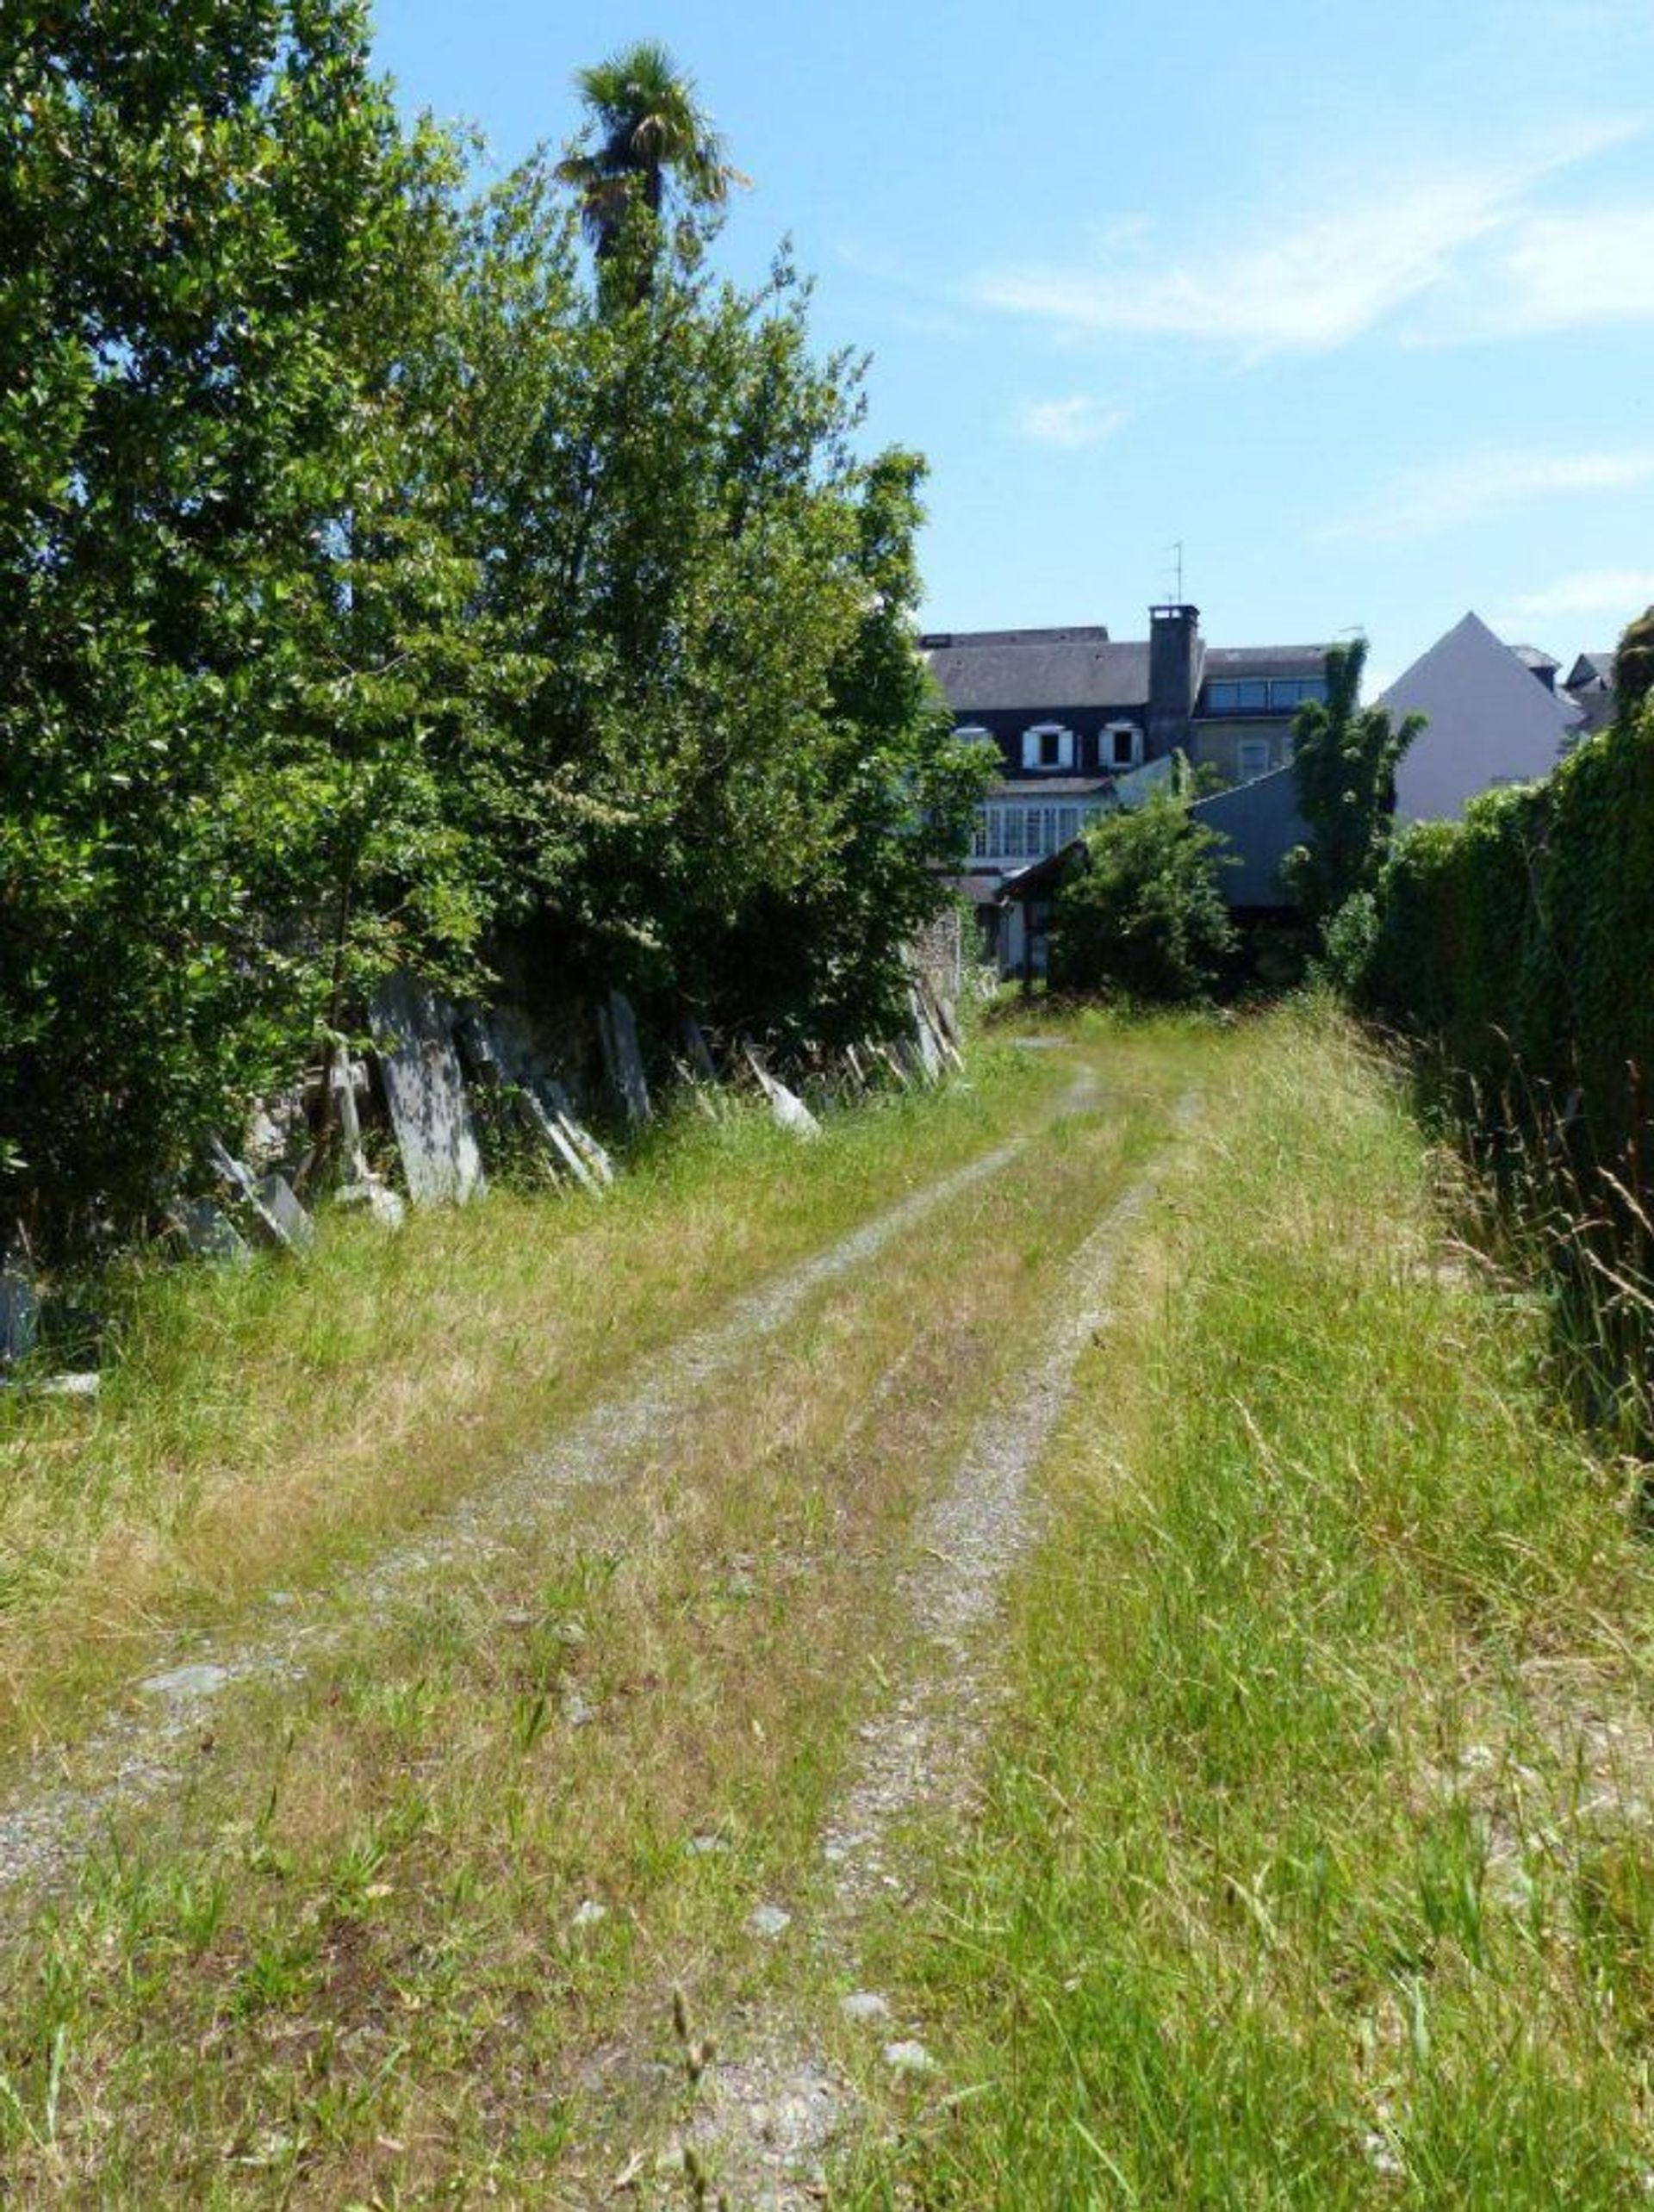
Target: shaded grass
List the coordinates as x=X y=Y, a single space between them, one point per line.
x=260 y=1422
x=1316 y=1865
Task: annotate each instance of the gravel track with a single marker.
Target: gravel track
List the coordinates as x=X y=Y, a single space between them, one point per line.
x=141 y=1746
x=775 y=2107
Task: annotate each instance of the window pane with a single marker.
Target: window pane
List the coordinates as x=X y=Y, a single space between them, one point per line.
x=1067 y=825
x=1010 y=843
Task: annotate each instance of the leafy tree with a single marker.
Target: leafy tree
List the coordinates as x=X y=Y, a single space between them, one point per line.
x=215 y=565
x=1345 y=759
x=1144 y=915
x=741 y=773
x=826 y=958
x=646 y=137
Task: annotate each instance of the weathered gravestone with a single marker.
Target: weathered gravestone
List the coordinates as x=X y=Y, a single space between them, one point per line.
x=616 y=1026
x=281 y=1216
x=208 y=1232
x=787 y=1108
x=20 y=1313
x=413 y=1028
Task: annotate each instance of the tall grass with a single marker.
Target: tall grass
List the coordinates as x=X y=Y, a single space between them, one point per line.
x=258 y=1422
x=1315 y=1866
x=1577 y=1227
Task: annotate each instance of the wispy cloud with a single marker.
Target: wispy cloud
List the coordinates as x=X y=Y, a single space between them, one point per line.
x=1445 y=495
x=1561 y=271
x=1312 y=283
x=1615 y=594
x=1072 y=424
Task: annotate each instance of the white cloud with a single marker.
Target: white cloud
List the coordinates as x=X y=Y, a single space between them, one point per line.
x=1311 y=283
x=1593 y=267
x=1619 y=593
x=1444 y=495
x=1078 y=421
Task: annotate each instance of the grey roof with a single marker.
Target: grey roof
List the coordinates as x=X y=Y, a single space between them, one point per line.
x=1532 y=657
x=1591 y=667
x=987 y=670
x=1261 y=821
x=1265 y=661
x=1081 y=668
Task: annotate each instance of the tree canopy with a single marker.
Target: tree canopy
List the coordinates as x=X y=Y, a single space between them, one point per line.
x=372 y=580
x=1344 y=758
x=646 y=136
x=1143 y=915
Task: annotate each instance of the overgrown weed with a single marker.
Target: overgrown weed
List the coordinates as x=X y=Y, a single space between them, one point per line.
x=1288 y=1890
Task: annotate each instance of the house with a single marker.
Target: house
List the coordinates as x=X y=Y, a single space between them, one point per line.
x=1590 y=684
x=1495 y=715
x=1085 y=723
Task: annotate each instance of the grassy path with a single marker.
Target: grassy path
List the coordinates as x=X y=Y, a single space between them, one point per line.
x=405 y=1923
x=71 y=1795
x=1313 y=1864
x=1219 y=1680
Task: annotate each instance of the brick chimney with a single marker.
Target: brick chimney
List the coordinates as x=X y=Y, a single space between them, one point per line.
x=1174 y=657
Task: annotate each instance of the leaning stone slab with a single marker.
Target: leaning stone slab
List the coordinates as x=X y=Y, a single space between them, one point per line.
x=616 y=1026
x=787 y=1109
x=209 y=1233
x=20 y=1313
x=425 y=1093
x=923 y=1038
x=587 y=1146
x=280 y=1214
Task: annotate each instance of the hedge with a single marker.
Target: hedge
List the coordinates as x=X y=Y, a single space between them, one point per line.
x=1519 y=942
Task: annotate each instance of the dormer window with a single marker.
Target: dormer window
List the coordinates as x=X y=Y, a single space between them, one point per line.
x=1120 y=746
x=1048 y=745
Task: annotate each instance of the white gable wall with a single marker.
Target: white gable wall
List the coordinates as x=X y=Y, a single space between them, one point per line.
x=1490 y=722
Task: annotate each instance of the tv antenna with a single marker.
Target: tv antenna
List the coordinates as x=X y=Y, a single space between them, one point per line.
x=1176 y=549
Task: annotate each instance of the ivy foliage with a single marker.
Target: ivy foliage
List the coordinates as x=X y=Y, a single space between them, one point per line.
x=377 y=572
x=1516 y=941
x=1344 y=761
x=1143 y=916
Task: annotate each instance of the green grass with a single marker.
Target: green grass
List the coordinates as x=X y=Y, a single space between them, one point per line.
x=260 y=1424
x=1315 y=1865
x=345 y=1965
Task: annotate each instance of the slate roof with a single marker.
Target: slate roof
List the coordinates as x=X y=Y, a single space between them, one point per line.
x=991 y=670
x=1591 y=668
x=1534 y=657
x=1306 y=661
x=1261 y=821
x=994 y=671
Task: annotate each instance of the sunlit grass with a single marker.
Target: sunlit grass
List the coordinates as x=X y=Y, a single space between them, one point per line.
x=1317 y=1860
x=258 y=1421
x=353 y=1964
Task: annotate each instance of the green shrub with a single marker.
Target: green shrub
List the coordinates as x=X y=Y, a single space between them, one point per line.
x=1144 y=916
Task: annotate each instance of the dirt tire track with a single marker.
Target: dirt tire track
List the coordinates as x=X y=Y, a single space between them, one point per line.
x=67 y=1796
x=774 y=2108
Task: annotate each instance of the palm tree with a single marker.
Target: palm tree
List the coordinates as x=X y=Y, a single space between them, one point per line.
x=646 y=135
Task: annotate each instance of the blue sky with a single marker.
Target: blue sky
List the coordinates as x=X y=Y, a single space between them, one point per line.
x=1358 y=302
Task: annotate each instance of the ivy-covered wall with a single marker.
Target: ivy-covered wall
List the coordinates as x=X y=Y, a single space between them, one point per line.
x=1521 y=942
